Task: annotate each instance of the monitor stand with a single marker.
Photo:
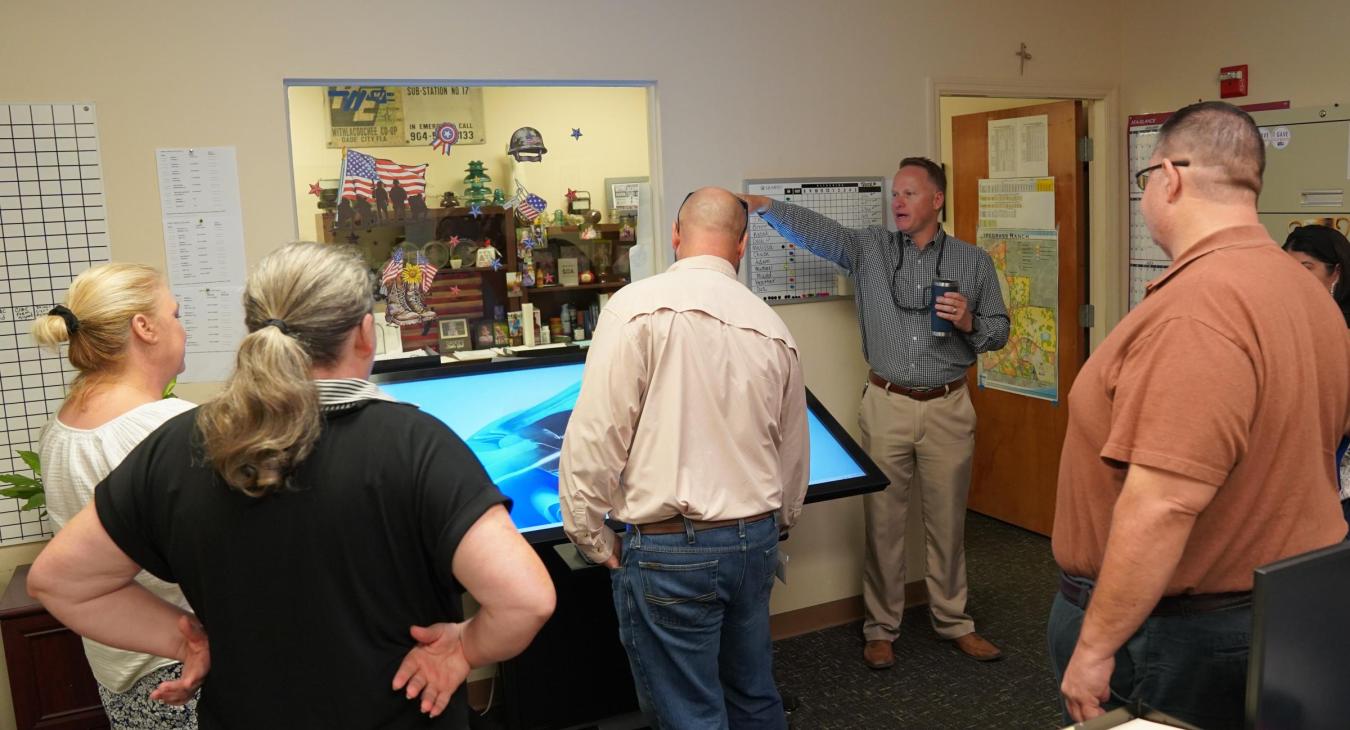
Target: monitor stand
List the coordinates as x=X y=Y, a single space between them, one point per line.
x=575 y=673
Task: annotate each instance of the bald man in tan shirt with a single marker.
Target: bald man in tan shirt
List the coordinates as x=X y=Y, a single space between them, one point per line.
x=691 y=428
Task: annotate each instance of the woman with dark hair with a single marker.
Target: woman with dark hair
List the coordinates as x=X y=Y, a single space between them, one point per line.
x=323 y=532
x=1325 y=253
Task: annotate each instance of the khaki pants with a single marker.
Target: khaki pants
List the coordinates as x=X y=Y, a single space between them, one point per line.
x=929 y=444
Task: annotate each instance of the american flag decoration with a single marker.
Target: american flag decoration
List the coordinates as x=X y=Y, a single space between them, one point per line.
x=361 y=171
x=393 y=268
x=428 y=271
x=531 y=207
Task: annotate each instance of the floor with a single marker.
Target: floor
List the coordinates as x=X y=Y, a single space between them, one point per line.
x=1012 y=579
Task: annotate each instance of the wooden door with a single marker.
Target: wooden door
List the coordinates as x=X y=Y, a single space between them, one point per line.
x=1018 y=439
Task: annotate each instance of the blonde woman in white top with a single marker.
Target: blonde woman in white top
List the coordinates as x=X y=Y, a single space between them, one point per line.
x=125 y=338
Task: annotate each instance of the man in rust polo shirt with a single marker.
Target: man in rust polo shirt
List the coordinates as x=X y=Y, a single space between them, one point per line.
x=1200 y=442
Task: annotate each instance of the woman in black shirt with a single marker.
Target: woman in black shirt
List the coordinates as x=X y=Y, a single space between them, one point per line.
x=322 y=532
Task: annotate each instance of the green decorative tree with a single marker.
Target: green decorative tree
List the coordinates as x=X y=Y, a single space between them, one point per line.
x=478 y=191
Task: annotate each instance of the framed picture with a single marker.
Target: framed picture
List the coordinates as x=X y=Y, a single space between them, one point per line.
x=500 y=336
x=567 y=272
x=483 y=335
x=454 y=328
x=514 y=324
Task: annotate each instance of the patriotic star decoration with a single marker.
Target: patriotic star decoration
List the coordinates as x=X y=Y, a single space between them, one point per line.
x=571 y=194
x=496 y=264
x=454 y=240
x=528 y=243
x=476 y=210
x=454 y=290
x=315 y=190
x=576 y=133
x=548 y=278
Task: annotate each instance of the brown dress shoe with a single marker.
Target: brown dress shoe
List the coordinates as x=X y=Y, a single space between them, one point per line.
x=878 y=654
x=978 y=648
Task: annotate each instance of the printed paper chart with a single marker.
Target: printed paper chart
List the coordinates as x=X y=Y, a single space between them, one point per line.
x=1147 y=261
x=52 y=227
x=783 y=273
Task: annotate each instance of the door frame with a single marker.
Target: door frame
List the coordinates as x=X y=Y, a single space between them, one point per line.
x=1108 y=254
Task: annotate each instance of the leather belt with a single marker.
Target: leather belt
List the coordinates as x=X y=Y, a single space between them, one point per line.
x=1078 y=591
x=915 y=393
x=676 y=524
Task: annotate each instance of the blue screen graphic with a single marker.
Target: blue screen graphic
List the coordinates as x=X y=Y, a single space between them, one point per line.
x=514 y=422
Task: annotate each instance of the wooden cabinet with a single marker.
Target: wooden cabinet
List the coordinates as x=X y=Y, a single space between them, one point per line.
x=49 y=677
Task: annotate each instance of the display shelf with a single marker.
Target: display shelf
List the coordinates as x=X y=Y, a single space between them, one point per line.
x=599 y=286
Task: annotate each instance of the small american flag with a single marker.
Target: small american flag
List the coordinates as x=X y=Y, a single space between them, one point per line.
x=531 y=207
x=360 y=171
x=428 y=271
x=393 y=268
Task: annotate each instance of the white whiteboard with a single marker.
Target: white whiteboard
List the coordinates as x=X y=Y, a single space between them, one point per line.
x=53 y=225
x=783 y=273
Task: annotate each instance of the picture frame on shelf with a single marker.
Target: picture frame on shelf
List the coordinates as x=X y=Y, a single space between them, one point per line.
x=454 y=335
x=484 y=336
x=568 y=274
x=454 y=327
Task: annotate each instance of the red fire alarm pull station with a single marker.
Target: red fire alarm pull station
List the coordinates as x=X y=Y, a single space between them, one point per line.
x=1232 y=81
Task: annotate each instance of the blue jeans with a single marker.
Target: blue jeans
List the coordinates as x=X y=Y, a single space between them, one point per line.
x=693 y=612
x=1190 y=666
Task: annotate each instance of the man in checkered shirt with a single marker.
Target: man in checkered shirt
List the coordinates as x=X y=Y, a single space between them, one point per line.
x=916 y=417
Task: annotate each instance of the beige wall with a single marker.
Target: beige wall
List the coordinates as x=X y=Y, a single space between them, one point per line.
x=743 y=90
x=1172 y=52
x=612 y=120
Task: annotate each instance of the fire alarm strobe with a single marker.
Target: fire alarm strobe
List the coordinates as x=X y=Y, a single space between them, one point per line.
x=1232 y=81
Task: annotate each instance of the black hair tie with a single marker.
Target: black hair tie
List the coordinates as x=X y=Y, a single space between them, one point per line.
x=279 y=325
x=72 y=322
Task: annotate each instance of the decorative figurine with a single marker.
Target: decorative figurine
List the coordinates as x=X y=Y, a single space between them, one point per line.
x=527 y=145
x=449 y=200
x=499 y=197
x=398 y=197
x=559 y=219
x=407 y=281
x=487 y=255
x=344 y=215
x=417 y=207
x=477 y=192
x=381 y=201
x=365 y=215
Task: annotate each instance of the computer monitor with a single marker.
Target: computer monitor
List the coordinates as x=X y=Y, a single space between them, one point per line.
x=1300 y=653
x=513 y=415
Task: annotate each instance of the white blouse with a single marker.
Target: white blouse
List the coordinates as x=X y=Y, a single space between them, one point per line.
x=74 y=461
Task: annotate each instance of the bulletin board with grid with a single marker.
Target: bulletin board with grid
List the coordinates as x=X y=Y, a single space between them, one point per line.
x=780 y=272
x=53 y=225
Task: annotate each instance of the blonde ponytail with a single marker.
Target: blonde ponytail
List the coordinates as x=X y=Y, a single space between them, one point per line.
x=300 y=304
x=101 y=302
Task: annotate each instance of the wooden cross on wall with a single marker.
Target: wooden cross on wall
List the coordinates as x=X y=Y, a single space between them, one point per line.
x=1024 y=56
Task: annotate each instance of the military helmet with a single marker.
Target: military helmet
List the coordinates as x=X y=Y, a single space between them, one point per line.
x=527 y=145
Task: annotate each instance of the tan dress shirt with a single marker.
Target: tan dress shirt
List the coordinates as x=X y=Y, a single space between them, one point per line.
x=692 y=404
